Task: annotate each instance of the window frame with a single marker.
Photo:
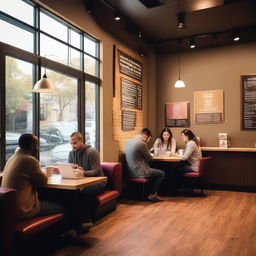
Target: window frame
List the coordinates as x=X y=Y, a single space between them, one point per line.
x=37 y=60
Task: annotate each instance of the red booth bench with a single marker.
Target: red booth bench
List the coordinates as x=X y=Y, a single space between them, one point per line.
x=107 y=201
x=12 y=231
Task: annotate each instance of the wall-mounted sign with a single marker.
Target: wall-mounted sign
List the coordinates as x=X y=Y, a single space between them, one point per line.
x=249 y=102
x=128 y=120
x=208 y=106
x=131 y=94
x=129 y=66
x=177 y=114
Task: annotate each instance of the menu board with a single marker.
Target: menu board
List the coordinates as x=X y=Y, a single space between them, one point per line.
x=128 y=120
x=208 y=106
x=177 y=114
x=130 y=66
x=249 y=102
x=131 y=94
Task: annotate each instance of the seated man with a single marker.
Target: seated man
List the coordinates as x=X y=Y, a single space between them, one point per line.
x=138 y=158
x=88 y=161
x=23 y=173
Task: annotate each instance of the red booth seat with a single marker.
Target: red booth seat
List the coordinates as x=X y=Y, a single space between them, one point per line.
x=12 y=231
x=107 y=201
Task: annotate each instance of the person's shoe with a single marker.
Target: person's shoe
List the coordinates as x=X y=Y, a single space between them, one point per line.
x=154 y=198
x=87 y=224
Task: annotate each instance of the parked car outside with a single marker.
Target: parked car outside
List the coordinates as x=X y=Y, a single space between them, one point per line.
x=12 y=143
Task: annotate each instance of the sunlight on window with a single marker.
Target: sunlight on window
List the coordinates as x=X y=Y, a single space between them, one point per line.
x=90 y=46
x=53 y=49
x=16 y=36
x=58 y=118
x=19 y=113
x=18 y=9
x=53 y=27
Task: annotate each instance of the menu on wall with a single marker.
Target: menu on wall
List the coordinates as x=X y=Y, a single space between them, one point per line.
x=208 y=106
x=129 y=66
x=177 y=114
x=249 y=102
x=128 y=120
x=131 y=94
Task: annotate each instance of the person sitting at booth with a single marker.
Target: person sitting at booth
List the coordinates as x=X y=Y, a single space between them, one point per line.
x=138 y=158
x=22 y=172
x=165 y=144
x=192 y=152
x=88 y=161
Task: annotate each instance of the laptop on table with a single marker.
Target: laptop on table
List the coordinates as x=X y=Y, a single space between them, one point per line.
x=68 y=172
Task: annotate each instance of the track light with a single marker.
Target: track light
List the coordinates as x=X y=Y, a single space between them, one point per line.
x=140 y=34
x=192 y=43
x=236 y=36
x=117 y=16
x=181 y=21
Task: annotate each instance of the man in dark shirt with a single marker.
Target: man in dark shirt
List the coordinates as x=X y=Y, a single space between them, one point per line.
x=138 y=158
x=88 y=161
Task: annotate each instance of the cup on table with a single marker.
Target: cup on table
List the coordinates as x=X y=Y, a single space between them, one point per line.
x=180 y=152
x=49 y=170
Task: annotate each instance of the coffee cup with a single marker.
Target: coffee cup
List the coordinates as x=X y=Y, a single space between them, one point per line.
x=49 y=170
x=180 y=152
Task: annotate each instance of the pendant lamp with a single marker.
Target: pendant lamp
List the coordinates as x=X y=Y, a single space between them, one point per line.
x=44 y=84
x=179 y=83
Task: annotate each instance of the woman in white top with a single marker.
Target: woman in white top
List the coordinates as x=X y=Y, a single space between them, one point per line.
x=192 y=153
x=165 y=144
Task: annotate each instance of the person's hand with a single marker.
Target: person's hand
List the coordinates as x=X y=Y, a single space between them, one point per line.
x=79 y=172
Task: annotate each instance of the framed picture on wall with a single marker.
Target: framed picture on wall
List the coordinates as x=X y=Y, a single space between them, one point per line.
x=177 y=114
x=208 y=107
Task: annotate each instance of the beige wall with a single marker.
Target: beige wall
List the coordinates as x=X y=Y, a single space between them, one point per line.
x=74 y=11
x=209 y=69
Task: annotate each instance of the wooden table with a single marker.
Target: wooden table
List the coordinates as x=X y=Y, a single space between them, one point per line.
x=56 y=181
x=173 y=158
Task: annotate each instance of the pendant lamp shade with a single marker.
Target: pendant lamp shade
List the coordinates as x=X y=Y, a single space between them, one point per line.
x=44 y=85
x=179 y=83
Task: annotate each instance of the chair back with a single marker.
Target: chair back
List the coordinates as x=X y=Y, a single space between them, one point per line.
x=114 y=173
x=203 y=164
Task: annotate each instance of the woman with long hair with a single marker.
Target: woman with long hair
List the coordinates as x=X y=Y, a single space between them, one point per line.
x=192 y=152
x=165 y=143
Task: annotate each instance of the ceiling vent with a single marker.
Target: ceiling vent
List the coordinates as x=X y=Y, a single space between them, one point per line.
x=152 y=3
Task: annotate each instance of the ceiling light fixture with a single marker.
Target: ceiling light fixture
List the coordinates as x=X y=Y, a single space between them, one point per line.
x=181 y=21
x=179 y=83
x=44 y=84
x=192 y=44
x=117 y=16
x=236 y=36
x=140 y=34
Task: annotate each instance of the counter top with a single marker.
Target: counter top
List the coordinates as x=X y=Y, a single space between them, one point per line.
x=228 y=149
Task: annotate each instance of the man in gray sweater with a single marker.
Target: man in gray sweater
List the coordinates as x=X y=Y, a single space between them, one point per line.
x=88 y=161
x=138 y=158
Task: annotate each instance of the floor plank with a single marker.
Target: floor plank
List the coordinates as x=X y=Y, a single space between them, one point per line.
x=223 y=223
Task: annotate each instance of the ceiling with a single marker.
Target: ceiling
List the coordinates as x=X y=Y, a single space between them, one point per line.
x=210 y=23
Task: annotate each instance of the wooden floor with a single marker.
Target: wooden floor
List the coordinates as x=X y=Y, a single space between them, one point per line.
x=223 y=223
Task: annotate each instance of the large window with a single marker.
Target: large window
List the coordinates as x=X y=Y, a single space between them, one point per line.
x=31 y=44
x=19 y=116
x=58 y=118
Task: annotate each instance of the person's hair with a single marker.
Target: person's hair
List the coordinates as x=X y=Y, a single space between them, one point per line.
x=191 y=135
x=169 y=139
x=146 y=131
x=26 y=140
x=78 y=135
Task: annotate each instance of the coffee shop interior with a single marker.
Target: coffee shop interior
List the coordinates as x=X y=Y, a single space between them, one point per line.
x=112 y=68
